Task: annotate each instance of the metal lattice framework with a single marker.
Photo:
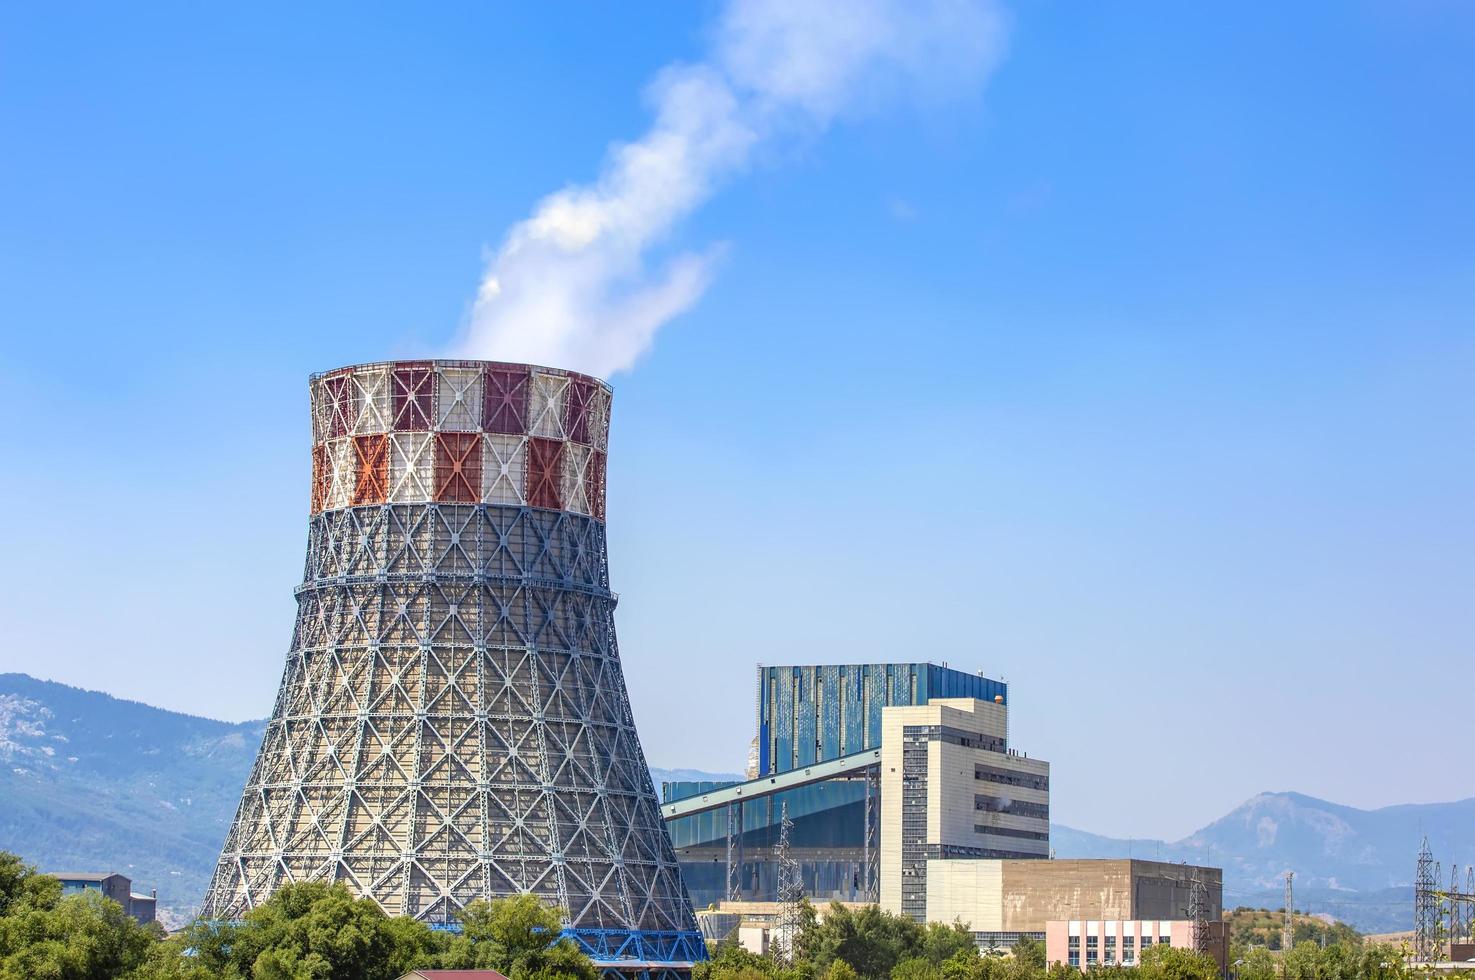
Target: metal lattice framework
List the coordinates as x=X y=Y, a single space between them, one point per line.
x=1441 y=916
x=452 y=722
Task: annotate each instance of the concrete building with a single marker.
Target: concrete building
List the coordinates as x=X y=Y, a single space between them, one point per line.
x=1001 y=901
x=111 y=885
x=952 y=788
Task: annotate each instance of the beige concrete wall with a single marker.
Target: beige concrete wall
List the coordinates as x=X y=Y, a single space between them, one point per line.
x=966 y=891
x=1034 y=892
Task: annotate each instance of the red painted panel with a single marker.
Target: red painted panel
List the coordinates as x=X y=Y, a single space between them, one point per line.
x=372 y=484
x=338 y=391
x=577 y=401
x=545 y=472
x=320 y=477
x=458 y=467
x=505 y=400
x=594 y=484
x=412 y=398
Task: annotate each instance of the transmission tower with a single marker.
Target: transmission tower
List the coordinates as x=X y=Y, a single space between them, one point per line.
x=1426 y=906
x=1198 y=911
x=1287 y=930
x=790 y=893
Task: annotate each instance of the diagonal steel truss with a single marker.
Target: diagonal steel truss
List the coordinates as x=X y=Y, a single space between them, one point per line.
x=453 y=724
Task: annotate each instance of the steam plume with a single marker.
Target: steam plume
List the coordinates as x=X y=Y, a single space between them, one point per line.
x=572 y=284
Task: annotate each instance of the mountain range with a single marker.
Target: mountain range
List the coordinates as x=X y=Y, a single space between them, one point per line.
x=93 y=782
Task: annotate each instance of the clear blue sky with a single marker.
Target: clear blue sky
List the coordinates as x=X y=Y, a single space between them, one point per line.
x=1142 y=379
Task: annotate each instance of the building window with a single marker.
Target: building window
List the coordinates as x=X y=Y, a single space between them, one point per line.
x=1165 y=940
x=1075 y=957
x=1075 y=942
x=1146 y=941
x=1090 y=957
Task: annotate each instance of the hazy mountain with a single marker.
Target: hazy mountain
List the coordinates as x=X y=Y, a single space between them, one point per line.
x=1355 y=864
x=91 y=782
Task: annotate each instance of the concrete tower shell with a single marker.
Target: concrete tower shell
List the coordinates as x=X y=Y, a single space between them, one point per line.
x=452 y=722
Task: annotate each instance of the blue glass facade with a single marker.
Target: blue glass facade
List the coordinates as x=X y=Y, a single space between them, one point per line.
x=827 y=842
x=815 y=713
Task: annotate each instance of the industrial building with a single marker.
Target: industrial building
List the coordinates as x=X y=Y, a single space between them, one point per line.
x=111 y=885
x=452 y=721
x=1003 y=900
x=822 y=733
x=900 y=786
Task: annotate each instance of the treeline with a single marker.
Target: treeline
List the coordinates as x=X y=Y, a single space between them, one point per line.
x=313 y=931
x=307 y=931
x=870 y=944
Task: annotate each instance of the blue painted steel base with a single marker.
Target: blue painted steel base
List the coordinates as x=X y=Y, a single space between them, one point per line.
x=608 y=948
x=603 y=945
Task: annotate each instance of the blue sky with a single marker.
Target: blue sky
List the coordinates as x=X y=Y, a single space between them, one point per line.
x=1140 y=376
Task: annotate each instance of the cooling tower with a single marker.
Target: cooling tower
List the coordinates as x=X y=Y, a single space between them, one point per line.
x=452 y=722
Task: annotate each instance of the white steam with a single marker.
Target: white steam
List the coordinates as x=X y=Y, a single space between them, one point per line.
x=570 y=285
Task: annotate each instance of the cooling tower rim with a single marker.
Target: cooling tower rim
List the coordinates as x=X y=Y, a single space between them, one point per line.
x=435 y=363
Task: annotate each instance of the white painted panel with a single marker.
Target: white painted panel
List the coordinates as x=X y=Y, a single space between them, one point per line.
x=458 y=399
x=373 y=400
x=575 y=462
x=411 y=466
x=504 y=469
x=545 y=405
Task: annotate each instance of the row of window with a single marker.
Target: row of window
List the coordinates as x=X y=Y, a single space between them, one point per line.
x=1108 y=954
x=1008 y=777
x=1017 y=808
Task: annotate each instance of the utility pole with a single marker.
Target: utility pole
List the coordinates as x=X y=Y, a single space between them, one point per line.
x=1287 y=931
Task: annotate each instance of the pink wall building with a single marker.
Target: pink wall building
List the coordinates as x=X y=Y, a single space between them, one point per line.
x=1088 y=943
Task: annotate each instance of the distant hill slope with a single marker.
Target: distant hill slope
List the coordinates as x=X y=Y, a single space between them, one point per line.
x=90 y=782
x=1355 y=864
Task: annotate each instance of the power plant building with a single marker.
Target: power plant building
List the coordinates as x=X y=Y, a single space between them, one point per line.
x=452 y=722
x=864 y=758
x=902 y=788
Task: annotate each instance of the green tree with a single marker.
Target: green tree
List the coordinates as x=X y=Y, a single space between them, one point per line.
x=941 y=943
x=1302 y=962
x=520 y=937
x=873 y=942
x=80 y=937
x=917 y=968
x=731 y=961
x=1257 y=964
x=840 y=970
x=1174 y=963
x=315 y=931
x=23 y=887
x=1030 y=953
